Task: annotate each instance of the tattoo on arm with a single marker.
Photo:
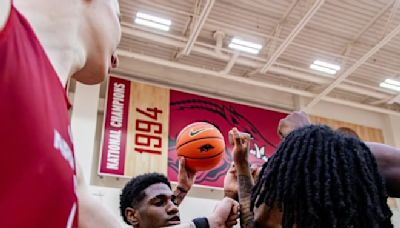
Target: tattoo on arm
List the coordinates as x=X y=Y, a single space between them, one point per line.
x=245 y=185
x=179 y=195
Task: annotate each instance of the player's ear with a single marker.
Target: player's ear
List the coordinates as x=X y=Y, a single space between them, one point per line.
x=132 y=215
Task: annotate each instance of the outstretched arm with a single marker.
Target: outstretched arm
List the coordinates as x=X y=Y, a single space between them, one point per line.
x=244 y=178
x=91 y=212
x=388 y=159
x=186 y=178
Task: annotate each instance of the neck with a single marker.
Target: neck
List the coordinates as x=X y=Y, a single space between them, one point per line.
x=58 y=32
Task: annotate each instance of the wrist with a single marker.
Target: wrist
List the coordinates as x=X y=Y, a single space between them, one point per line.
x=242 y=167
x=182 y=188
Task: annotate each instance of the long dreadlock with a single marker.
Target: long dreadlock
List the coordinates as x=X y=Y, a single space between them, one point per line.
x=322 y=179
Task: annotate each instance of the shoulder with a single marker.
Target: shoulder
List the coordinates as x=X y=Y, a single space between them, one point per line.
x=385 y=153
x=5 y=8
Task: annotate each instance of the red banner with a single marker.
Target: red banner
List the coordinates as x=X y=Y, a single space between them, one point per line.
x=115 y=127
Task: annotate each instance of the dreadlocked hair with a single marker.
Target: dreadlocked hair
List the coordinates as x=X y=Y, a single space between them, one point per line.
x=133 y=192
x=322 y=179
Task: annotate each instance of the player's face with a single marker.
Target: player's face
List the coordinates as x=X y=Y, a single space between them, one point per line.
x=102 y=35
x=267 y=217
x=157 y=208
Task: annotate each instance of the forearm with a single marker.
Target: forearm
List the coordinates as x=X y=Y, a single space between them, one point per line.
x=388 y=160
x=93 y=214
x=245 y=185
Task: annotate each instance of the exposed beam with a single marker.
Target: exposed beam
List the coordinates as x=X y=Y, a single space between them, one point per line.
x=317 y=4
x=353 y=68
x=393 y=99
x=197 y=28
x=255 y=62
x=230 y=64
x=389 y=20
x=192 y=19
x=233 y=30
x=248 y=81
x=347 y=49
x=273 y=42
x=278 y=28
x=371 y=22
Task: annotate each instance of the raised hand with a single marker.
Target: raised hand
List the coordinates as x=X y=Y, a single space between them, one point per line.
x=186 y=177
x=241 y=147
x=292 y=122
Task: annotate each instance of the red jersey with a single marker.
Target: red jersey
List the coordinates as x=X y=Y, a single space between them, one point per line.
x=37 y=184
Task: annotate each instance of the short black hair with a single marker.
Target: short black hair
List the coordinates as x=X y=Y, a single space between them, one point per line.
x=320 y=178
x=133 y=192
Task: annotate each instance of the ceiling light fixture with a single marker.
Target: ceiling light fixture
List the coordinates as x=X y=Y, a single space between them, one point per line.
x=246 y=46
x=391 y=84
x=325 y=67
x=152 y=21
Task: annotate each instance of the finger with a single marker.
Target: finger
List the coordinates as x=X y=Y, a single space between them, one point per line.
x=236 y=206
x=246 y=141
x=182 y=167
x=232 y=219
x=232 y=216
x=234 y=209
x=236 y=137
x=231 y=223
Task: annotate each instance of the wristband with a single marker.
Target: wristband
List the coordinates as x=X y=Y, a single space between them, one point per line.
x=201 y=222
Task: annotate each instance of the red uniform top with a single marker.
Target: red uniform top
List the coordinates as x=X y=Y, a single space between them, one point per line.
x=37 y=170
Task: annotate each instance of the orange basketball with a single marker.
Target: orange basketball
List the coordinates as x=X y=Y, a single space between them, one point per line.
x=202 y=145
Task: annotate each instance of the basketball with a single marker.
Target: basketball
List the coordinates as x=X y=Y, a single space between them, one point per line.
x=202 y=145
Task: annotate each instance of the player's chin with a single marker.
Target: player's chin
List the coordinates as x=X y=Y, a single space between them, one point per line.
x=172 y=223
x=93 y=80
x=91 y=75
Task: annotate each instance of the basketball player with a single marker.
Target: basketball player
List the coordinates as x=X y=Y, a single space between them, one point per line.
x=43 y=43
x=317 y=178
x=387 y=157
x=147 y=201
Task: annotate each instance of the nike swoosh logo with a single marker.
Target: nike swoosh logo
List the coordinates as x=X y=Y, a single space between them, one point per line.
x=196 y=132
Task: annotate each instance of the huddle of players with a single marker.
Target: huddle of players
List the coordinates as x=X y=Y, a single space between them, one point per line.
x=317 y=178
